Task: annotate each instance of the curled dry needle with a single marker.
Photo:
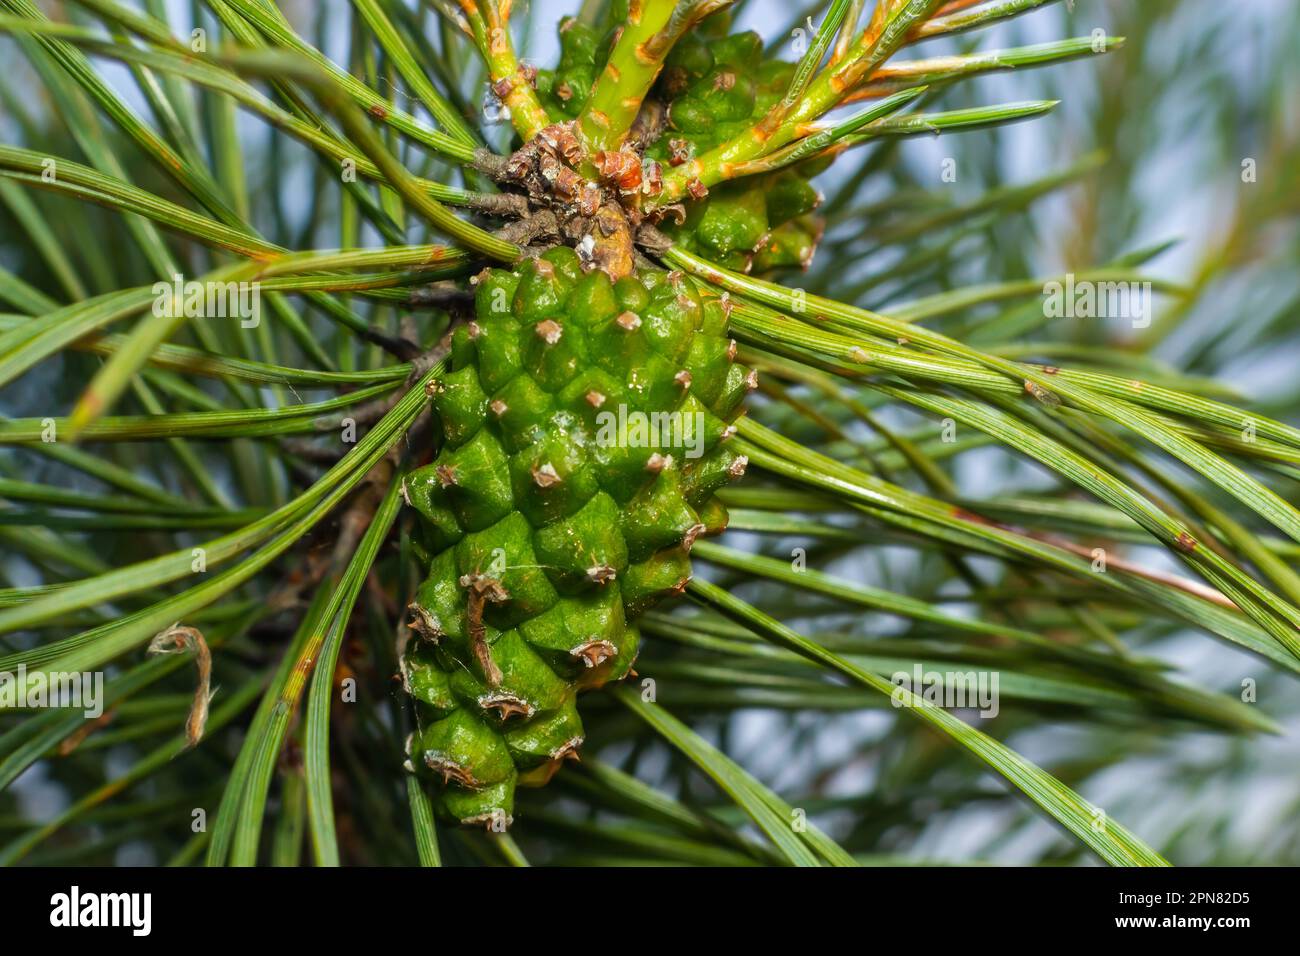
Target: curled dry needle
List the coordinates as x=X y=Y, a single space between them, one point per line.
x=178 y=639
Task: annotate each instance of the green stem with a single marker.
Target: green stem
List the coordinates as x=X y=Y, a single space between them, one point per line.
x=488 y=22
x=651 y=29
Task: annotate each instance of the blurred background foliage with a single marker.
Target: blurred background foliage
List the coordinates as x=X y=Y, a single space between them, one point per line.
x=1155 y=139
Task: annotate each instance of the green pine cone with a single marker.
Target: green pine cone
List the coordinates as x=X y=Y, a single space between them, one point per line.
x=564 y=90
x=714 y=86
x=584 y=425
